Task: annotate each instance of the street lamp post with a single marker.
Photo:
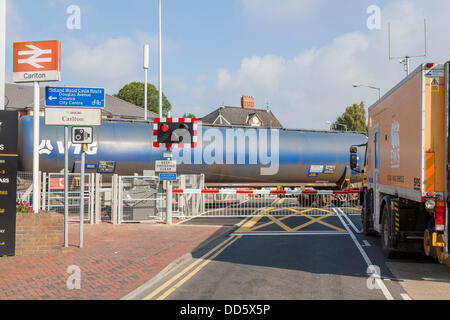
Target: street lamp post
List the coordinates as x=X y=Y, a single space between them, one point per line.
x=160 y=61
x=146 y=66
x=370 y=87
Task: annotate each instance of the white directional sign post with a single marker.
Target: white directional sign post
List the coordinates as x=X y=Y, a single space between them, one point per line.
x=83 y=136
x=36 y=62
x=80 y=108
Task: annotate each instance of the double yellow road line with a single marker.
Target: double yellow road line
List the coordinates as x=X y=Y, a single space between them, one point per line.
x=180 y=278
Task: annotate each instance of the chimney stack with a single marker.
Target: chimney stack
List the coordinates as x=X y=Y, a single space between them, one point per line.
x=248 y=102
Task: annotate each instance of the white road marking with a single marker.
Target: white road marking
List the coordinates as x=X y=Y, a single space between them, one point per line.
x=405 y=296
x=366 y=243
x=348 y=219
x=369 y=263
x=288 y=233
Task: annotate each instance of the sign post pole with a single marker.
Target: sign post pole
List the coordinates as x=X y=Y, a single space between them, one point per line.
x=169 y=192
x=36 y=191
x=66 y=186
x=83 y=164
x=37 y=61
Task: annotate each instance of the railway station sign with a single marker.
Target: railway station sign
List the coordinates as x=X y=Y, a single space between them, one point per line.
x=77 y=117
x=8 y=181
x=75 y=97
x=166 y=166
x=37 y=61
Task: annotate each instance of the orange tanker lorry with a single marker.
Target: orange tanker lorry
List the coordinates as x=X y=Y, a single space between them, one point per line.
x=405 y=194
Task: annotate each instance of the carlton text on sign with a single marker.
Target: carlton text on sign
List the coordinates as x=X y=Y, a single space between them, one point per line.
x=37 y=61
x=75 y=117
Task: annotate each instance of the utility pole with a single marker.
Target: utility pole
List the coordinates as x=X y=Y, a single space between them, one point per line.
x=2 y=52
x=146 y=65
x=168 y=153
x=160 y=62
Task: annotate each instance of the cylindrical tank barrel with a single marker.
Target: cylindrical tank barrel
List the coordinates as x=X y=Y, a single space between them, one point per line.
x=224 y=155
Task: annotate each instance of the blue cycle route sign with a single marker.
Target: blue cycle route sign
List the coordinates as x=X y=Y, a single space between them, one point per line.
x=75 y=97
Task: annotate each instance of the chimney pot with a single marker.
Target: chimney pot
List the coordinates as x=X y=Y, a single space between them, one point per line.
x=248 y=102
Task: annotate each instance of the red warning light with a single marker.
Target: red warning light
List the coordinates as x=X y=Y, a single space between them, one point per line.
x=164 y=128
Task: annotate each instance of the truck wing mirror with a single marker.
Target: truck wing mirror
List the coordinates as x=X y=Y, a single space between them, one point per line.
x=354 y=161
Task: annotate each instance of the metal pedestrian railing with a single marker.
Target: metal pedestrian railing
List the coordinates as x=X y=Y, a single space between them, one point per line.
x=245 y=203
x=54 y=195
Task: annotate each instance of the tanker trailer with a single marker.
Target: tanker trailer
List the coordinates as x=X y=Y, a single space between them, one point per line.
x=246 y=155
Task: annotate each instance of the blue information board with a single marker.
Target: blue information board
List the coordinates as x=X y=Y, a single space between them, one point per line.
x=168 y=176
x=74 y=97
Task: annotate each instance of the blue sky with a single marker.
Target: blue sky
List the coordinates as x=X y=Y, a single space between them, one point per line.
x=302 y=56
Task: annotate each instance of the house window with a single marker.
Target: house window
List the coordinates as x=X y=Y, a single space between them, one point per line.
x=255 y=122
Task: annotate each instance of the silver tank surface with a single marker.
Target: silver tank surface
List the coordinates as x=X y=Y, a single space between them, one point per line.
x=224 y=155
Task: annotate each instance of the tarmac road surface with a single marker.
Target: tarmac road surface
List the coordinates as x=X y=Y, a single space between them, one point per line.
x=319 y=255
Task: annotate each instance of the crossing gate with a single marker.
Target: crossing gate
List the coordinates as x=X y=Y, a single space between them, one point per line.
x=248 y=203
x=140 y=199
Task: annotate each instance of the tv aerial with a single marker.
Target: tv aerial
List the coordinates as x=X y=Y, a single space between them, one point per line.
x=405 y=60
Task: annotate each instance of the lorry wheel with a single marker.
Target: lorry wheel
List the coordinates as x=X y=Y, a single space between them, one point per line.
x=367 y=227
x=441 y=256
x=428 y=248
x=386 y=243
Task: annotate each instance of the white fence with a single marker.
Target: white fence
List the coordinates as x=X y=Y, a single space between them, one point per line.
x=244 y=203
x=142 y=199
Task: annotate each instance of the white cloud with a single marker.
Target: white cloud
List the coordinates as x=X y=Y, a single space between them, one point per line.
x=276 y=10
x=316 y=85
x=112 y=63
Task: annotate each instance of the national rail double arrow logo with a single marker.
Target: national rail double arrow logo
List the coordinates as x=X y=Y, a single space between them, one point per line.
x=35 y=54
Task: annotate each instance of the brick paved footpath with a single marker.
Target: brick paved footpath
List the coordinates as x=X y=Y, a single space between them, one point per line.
x=115 y=260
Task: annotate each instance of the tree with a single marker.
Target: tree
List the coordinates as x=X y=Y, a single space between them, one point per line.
x=188 y=115
x=134 y=93
x=353 y=119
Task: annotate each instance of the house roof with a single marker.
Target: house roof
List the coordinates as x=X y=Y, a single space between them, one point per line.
x=241 y=116
x=21 y=97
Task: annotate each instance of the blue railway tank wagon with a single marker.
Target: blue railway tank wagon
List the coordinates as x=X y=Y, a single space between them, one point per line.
x=225 y=155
